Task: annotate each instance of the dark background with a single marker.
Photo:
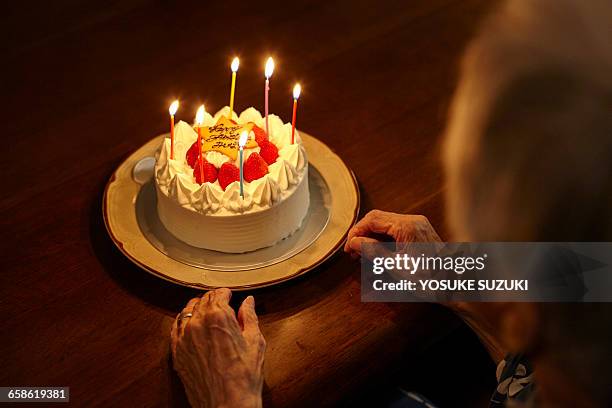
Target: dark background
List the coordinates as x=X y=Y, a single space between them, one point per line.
x=86 y=83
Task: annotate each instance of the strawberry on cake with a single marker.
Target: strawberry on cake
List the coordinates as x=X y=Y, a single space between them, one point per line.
x=205 y=209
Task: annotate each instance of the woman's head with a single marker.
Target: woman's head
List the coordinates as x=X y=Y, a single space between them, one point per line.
x=528 y=151
x=528 y=157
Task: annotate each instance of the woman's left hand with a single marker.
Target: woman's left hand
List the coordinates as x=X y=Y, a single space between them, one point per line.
x=400 y=228
x=218 y=356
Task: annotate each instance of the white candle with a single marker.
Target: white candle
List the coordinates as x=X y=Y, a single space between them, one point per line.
x=172 y=110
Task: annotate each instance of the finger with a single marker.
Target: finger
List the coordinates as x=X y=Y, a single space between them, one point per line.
x=353 y=232
x=248 y=318
x=356 y=246
x=374 y=222
x=174 y=325
x=205 y=301
x=356 y=243
x=174 y=335
x=222 y=296
x=361 y=227
x=349 y=236
x=191 y=305
x=222 y=331
x=184 y=321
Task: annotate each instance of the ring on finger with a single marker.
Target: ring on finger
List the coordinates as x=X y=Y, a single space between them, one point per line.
x=186 y=315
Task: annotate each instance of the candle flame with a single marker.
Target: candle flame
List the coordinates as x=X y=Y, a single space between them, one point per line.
x=243 y=139
x=200 y=115
x=269 y=67
x=297 y=90
x=235 y=64
x=173 y=107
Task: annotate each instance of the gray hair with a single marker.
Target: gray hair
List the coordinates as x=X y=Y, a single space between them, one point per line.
x=528 y=154
x=528 y=150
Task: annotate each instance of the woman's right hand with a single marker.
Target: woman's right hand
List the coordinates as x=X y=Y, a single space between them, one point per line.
x=218 y=355
x=398 y=227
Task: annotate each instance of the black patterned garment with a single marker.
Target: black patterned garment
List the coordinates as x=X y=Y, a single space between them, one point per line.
x=514 y=383
x=515 y=388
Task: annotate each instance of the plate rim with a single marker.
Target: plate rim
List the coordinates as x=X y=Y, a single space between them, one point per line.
x=298 y=272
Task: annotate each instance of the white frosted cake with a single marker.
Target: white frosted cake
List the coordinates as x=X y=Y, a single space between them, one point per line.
x=203 y=206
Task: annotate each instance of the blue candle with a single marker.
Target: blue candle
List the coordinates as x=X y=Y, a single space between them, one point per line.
x=241 y=176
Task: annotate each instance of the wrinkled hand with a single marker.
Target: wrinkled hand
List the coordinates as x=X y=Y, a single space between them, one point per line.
x=398 y=227
x=219 y=357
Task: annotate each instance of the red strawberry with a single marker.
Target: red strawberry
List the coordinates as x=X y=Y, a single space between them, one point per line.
x=228 y=173
x=210 y=172
x=260 y=134
x=268 y=151
x=255 y=167
x=192 y=154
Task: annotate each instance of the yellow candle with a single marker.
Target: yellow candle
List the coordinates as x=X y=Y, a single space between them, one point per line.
x=234 y=67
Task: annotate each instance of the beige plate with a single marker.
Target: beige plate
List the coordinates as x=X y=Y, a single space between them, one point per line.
x=122 y=224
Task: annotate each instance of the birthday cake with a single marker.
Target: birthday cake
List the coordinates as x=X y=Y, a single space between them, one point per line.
x=207 y=204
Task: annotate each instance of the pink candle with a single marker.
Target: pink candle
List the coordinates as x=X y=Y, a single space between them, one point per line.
x=268 y=72
x=200 y=161
x=267 y=90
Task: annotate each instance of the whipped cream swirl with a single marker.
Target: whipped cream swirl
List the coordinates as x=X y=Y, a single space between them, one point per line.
x=174 y=177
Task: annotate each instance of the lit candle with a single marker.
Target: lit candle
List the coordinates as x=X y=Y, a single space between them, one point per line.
x=268 y=72
x=199 y=119
x=172 y=110
x=297 y=89
x=241 y=143
x=235 y=64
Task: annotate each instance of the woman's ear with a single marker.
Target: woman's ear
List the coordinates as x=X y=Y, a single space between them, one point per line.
x=519 y=324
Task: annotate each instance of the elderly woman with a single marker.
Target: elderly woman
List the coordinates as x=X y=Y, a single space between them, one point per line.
x=528 y=157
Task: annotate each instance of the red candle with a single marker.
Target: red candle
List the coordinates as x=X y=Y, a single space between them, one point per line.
x=172 y=110
x=199 y=120
x=297 y=89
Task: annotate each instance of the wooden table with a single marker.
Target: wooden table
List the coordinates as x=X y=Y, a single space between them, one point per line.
x=85 y=85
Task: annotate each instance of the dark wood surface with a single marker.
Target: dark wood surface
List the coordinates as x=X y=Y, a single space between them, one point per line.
x=84 y=85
